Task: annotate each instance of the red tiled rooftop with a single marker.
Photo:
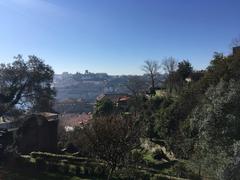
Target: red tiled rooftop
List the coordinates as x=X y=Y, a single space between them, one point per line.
x=125 y=98
x=74 y=120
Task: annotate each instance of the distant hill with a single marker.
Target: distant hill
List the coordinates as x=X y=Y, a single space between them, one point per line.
x=88 y=86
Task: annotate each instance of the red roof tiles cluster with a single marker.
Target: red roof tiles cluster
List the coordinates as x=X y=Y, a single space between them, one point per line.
x=75 y=120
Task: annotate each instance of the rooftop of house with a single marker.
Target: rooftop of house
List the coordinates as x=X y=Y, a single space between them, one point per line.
x=11 y=124
x=124 y=98
x=74 y=120
x=49 y=116
x=113 y=97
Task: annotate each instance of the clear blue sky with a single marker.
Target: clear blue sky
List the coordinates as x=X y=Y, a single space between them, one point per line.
x=116 y=36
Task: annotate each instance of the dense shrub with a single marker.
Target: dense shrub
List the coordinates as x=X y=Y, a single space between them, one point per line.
x=181 y=170
x=99 y=171
x=79 y=170
x=40 y=163
x=52 y=167
x=136 y=156
x=64 y=167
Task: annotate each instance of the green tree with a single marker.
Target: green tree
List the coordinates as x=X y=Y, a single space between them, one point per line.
x=26 y=85
x=104 y=107
x=185 y=69
x=216 y=120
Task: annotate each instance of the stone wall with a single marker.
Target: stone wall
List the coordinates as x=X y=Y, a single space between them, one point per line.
x=37 y=133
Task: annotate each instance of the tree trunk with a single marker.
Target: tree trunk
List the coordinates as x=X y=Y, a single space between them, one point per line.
x=153 y=83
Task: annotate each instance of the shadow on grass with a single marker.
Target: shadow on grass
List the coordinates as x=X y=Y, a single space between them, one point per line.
x=164 y=165
x=30 y=174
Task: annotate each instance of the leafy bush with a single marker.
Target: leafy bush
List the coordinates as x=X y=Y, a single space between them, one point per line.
x=63 y=168
x=136 y=156
x=79 y=170
x=52 y=167
x=99 y=171
x=181 y=170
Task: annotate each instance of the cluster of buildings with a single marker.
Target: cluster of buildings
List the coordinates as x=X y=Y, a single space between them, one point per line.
x=71 y=121
x=87 y=86
x=39 y=132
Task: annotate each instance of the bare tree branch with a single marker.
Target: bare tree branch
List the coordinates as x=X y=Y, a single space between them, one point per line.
x=151 y=68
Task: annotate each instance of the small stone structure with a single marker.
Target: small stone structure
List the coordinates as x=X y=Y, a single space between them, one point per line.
x=38 y=132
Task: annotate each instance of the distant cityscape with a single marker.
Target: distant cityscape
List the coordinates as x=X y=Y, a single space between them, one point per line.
x=77 y=93
x=87 y=86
